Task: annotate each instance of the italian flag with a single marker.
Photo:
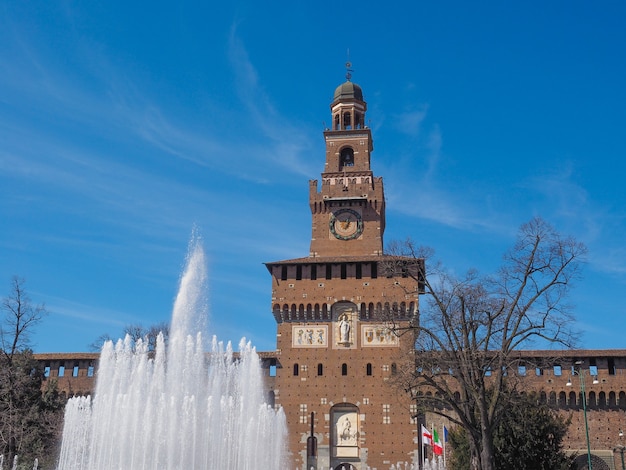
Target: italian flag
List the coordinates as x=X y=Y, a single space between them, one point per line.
x=437 y=447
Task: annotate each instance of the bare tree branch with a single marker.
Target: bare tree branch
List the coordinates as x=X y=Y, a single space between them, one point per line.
x=137 y=332
x=23 y=407
x=470 y=326
x=19 y=318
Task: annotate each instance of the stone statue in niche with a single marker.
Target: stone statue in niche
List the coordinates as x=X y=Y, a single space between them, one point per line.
x=344 y=329
x=344 y=324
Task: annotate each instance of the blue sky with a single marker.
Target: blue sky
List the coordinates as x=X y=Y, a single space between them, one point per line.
x=123 y=126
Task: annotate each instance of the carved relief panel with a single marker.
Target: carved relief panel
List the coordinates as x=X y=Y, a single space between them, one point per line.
x=309 y=336
x=345 y=439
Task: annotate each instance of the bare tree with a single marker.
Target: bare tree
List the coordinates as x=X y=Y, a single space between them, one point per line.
x=528 y=437
x=136 y=332
x=469 y=328
x=96 y=345
x=19 y=318
x=30 y=420
x=150 y=334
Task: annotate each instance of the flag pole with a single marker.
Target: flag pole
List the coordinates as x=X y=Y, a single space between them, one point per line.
x=432 y=433
x=424 y=435
x=444 y=446
x=445 y=438
x=423 y=449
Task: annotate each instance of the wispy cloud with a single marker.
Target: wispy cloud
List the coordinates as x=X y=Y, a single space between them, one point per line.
x=595 y=222
x=410 y=122
x=431 y=195
x=290 y=144
x=59 y=307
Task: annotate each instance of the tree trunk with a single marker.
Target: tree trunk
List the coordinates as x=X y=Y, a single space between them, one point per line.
x=474 y=454
x=486 y=450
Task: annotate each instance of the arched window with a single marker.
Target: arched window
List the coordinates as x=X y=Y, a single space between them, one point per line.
x=271 y=398
x=347 y=120
x=320 y=369
x=344 y=369
x=394 y=368
x=296 y=369
x=345 y=466
x=612 y=400
x=368 y=368
x=357 y=121
x=439 y=404
x=552 y=401
x=346 y=157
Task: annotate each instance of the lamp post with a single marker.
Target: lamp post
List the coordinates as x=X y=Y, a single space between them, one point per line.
x=580 y=372
x=419 y=419
x=620 y=448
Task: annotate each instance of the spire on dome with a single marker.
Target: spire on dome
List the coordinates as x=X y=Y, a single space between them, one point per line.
x=349 y=70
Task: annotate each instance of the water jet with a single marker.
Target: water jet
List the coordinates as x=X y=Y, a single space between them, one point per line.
x=180 y=407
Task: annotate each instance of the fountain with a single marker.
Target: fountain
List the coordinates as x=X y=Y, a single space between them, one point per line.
x=178 y=407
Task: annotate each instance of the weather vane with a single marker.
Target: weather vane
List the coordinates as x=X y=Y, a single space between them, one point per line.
x=349 y=67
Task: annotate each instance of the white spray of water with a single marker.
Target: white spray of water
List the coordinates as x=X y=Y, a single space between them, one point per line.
x=179 y=408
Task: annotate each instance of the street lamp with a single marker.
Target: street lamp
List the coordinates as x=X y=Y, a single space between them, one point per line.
x=620 y=448
x=580 y=372
x=419 y=420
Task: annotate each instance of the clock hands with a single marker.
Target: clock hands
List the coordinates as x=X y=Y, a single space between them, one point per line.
x=346 y=224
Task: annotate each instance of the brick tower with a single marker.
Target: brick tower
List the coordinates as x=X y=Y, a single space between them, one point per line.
x=336 y=353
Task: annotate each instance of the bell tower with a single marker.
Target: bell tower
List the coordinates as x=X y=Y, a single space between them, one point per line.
x=336 y=353
x=348 y=210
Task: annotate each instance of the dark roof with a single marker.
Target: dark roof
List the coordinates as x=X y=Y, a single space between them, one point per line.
x=570 y=353
x=347 y=91
x=338 y=259
x=66 y=356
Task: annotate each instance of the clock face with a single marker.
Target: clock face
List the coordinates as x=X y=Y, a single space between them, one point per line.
x=346 y=224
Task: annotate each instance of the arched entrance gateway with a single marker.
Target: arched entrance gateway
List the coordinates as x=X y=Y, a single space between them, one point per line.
x=345 y=434
x=582 y=463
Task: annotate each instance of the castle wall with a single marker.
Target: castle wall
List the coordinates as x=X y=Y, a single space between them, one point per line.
x=387 y=430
